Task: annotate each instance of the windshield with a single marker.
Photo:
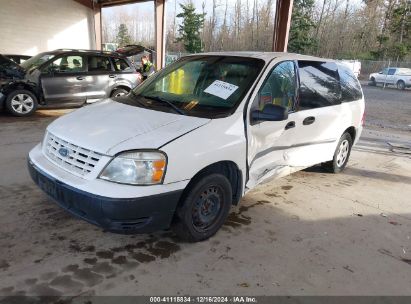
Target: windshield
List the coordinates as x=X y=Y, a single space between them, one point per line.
x=36 y=61
x=202 y=86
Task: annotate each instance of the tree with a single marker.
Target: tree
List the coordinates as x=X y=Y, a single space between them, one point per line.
x=123 y=37
x=302 y=24
x=191 y=28
x=400 y=29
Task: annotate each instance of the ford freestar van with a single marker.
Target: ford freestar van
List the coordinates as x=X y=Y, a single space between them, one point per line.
x=190 y=141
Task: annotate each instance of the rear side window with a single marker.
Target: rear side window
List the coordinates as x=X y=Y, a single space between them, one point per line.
x=99 y=64
x=319 y=84
x=121 y=65
x=350 y=87
x=66 y=64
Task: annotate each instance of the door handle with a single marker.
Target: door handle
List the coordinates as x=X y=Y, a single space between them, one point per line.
x=309 y=120
x=80 y=78
x=112 y=76
x=290 y=125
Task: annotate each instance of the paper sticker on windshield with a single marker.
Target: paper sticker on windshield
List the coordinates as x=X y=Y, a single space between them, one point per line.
x=221 y=89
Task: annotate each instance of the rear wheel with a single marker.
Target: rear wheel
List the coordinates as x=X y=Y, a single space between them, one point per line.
x=204 y=208
x=341 y=155
x=119 y=92
x=401 y=85
x=21 y=103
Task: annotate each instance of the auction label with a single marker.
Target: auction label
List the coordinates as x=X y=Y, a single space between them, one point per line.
x=221 y=89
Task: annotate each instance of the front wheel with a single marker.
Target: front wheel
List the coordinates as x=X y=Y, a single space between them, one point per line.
x=341 y=155
x=119 y=92
x=401 y=85
x=204 y=208
x=372 y=82
x=21 y=103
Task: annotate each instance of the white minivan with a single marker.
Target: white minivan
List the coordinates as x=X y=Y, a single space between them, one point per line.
x=190 y=141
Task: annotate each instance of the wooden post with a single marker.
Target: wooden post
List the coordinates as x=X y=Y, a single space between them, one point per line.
x=282 y=24
x=160 y=24
x=97 y=25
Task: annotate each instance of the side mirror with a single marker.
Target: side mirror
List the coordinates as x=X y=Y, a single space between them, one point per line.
x=270 y=112
x=380 y=72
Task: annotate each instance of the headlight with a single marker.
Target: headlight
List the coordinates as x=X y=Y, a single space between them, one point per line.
x=136 y=168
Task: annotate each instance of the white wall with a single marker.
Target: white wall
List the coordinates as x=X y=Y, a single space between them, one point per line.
x=32 y=26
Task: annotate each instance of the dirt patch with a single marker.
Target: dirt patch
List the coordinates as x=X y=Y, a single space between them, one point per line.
x=44 y=289
x=74 y=246
x=87 y=276
x=119 y=260
x=237 y=219
x=4 y=265
x=163 y=249
x=66 y=282
x=91 y=261
x=105 y=254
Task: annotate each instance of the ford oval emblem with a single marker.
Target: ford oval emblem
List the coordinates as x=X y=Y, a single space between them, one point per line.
x=63 y=151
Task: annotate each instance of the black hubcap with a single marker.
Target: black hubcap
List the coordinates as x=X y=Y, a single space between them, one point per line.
x=207 y=208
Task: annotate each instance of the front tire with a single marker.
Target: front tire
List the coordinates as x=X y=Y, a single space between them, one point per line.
x=204 y=208
x=373 y=82
x=341 y=155
x=401 y=85
x=119 y=92
x=21 y=103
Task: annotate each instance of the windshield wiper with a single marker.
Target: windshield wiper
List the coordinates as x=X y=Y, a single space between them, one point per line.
x=135 y=100
x=175 y=108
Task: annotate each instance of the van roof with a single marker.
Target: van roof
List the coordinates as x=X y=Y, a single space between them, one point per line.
x=267 y=56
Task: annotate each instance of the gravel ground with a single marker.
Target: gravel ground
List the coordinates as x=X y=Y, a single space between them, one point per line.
x=388 y=109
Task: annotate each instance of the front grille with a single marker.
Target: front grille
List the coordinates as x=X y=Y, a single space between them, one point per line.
x=78 y=160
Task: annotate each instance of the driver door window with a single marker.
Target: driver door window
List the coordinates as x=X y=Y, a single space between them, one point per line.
x=279 y=88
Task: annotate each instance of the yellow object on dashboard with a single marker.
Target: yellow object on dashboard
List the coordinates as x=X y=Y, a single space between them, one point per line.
x=176 y=84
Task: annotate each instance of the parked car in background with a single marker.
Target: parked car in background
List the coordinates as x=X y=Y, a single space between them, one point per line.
x=17 y=58
x=192 y=139
x=354 y=65
x=399 y=77
x=66 y=77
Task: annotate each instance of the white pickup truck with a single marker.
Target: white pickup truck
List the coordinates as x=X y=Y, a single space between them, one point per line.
x=399 y=77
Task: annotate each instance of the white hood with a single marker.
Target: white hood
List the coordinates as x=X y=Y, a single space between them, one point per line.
x=109 y=127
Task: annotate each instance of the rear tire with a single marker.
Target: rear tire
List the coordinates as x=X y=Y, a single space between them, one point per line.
x=21 y=103
x=341 y=155
x=401 y=85
x=203 y=209
x=119 y=92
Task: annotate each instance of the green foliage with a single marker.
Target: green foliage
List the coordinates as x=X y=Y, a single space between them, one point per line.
x=123 y=37
x=396 y=42
x=302 y=23
x=191 y=28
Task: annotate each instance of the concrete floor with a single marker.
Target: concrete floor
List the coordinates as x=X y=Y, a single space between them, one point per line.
x=310 y=233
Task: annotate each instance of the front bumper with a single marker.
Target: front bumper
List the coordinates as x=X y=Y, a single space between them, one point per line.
x=132 y=215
